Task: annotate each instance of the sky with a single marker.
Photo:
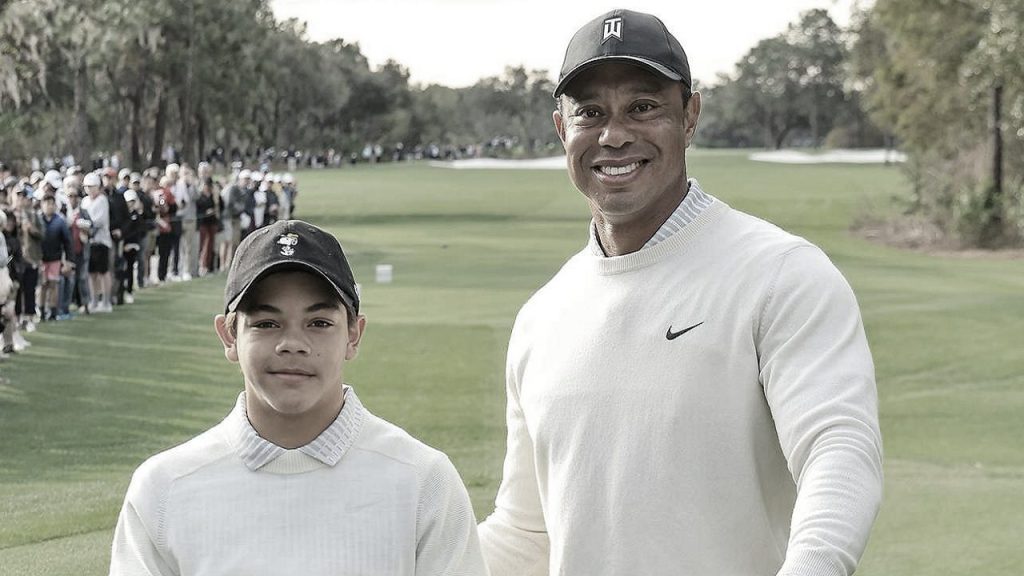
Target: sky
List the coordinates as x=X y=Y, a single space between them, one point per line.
x=457 y=42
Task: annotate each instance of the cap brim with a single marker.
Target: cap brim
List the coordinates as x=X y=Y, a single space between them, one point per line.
x=642 y=62
x=284 y=265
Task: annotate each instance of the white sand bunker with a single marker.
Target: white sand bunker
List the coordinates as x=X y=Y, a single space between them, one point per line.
x=553 y=163
x=839 y=156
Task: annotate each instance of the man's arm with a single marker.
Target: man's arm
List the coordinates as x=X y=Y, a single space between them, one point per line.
x=514 y=537
x=819 y=381
x=447 y=541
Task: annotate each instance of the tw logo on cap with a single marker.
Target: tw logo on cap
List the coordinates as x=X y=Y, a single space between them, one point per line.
x=288 y=243
x=612 y=29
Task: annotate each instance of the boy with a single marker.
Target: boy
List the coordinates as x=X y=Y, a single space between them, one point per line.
x=56 y=254
x=299 y=478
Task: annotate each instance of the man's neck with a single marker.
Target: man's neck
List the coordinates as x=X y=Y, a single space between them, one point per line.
x=617 y=238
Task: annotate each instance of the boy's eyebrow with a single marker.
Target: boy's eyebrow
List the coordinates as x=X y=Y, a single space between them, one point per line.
x=312 y=308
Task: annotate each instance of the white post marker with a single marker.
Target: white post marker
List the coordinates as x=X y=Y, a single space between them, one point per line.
x=384 y=273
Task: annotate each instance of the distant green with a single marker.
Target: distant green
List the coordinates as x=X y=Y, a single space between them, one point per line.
x=95 y=396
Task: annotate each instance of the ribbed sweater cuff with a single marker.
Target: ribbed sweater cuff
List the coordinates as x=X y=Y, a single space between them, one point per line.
x=811 y=562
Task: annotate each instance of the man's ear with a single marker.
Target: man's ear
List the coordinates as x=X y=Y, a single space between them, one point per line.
x=692 y=113
x=556 y=117
x=355 y=335
x=227 y=337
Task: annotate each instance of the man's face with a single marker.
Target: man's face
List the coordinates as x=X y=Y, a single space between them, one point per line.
x=92 y=191
x=49 y=206
x=74 y=200
x=625 y=133
x=292 y=342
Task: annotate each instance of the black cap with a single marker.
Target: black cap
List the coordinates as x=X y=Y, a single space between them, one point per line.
x=625 y=36
x=289 y=245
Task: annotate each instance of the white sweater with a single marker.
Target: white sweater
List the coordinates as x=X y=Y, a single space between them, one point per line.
x=747 y=445
x=390 y=506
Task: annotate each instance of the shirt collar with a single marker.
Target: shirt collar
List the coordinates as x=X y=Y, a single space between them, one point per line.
x=695 y=202
x=256 y=451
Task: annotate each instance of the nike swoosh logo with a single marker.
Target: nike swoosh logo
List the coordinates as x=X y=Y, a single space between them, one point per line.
x=673 y=335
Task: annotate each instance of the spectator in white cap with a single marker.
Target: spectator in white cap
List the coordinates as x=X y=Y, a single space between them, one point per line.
x=98 y=207
x=289 y=190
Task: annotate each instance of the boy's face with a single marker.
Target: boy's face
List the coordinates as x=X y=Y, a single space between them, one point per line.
x=292 y=341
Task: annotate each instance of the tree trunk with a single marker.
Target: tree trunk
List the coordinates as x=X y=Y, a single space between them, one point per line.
x=159 y=127
x=814 y=122
x=135 y=127
x=201 y=132
x=188 y=135
x=997 y=146
x=79 y=137
x=277 y=121
x=993 y=198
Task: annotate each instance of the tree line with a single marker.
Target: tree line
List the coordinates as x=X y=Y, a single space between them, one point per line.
x=939 y=80
x=83 y=76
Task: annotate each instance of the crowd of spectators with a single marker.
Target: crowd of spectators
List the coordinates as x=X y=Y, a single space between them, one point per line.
x=77 y=242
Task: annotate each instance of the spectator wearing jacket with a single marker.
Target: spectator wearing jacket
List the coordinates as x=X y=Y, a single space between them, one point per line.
x=134 y=231
x=30 y=234
x=56 y=254
x=80 y=226
x=166 y=209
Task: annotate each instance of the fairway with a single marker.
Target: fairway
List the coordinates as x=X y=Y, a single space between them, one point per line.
x=93 y=397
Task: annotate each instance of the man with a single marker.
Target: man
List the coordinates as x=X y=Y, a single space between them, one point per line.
x=299 y=478
x=146 y=191
x=114 y=192
x=98 y=207
x=693 y=392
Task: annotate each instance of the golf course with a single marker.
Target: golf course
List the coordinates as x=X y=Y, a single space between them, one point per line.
x=94 y=396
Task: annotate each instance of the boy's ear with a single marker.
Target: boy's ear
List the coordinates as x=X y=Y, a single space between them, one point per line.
x=355 y=334
x=227 y=336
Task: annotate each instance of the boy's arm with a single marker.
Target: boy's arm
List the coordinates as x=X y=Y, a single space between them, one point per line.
x=514 y=537
x=446 y=539
x=135 y=551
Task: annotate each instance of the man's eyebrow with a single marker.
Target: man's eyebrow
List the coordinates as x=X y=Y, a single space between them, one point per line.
x=641 y=86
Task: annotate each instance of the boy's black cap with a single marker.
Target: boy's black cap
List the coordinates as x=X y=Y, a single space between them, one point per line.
x=626 y=36
x=289 y=245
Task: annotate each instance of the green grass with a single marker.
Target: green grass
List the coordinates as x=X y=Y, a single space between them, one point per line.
x=93 y=397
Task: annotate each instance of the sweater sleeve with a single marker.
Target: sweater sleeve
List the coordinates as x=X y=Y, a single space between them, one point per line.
x=819 y=382
x=135 y=551
x=514 y=537
x=447 y=541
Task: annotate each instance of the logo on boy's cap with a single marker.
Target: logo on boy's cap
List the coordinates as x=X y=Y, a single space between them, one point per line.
x=288 y=243
x=612 y=29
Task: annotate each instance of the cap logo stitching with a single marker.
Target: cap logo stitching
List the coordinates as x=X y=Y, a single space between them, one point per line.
x=288 y=243
x=612 y=29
